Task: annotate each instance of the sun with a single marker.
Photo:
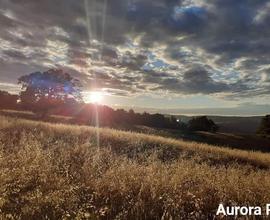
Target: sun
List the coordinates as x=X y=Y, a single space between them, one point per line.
x=95 y=97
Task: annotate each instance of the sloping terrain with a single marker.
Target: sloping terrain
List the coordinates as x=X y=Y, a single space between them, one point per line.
x=56 y=171
x=249 y=142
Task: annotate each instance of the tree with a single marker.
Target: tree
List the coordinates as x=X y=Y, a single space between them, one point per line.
x=264 y=127
x=44 y=91
x=202 y=123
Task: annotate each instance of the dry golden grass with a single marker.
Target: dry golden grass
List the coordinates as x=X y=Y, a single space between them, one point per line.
x=54 y=171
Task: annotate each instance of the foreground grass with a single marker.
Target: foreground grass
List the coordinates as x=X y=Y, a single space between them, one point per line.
x=57 y=172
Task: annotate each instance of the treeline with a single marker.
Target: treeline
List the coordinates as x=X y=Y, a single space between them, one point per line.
x=102 y=115
x=106 y=116
x=91 y=114
x=57 y=92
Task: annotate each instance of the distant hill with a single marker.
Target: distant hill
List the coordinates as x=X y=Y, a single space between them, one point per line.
x=246 y=125
x=243 y=123
x=232 y=124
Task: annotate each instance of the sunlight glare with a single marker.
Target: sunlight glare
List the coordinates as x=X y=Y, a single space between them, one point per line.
x=95 y=97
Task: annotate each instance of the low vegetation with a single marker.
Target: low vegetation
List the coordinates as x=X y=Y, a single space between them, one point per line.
x=56 y=171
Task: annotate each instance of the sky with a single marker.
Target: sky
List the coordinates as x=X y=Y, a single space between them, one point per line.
x=176 y=56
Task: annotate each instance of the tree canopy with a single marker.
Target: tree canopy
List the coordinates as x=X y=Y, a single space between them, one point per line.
x=42 y=91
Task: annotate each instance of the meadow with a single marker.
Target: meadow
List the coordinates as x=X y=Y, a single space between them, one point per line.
x=57 y=171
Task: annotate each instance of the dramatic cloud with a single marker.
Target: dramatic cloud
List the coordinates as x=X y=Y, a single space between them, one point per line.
x=217 y=48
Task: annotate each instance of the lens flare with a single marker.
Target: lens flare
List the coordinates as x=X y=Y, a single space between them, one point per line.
x=95 y=97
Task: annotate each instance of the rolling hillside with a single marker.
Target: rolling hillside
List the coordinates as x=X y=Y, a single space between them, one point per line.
x=56 y=171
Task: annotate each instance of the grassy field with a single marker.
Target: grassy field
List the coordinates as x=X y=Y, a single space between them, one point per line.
x=56 y=171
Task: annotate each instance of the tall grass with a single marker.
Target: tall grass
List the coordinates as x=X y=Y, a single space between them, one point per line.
x=57 y=172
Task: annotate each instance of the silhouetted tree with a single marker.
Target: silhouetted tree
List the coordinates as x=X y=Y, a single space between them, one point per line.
x=44 y=91
x=202 y=123
x=8 y=101
x=264 y=127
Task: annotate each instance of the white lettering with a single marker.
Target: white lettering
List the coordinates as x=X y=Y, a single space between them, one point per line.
x=241 y=210
x=244 y=210
x=267 y=209
x=258 y=211
x=221 y=210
